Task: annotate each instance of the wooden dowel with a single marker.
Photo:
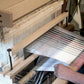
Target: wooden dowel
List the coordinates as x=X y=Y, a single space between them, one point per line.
x=25 y=79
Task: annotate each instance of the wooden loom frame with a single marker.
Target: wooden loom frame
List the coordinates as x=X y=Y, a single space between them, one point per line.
x=30 y=39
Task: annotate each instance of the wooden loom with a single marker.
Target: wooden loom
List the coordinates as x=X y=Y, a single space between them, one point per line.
x=17 y=23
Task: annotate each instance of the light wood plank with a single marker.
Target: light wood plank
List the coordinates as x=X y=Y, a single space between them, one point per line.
x=22 y=65
x=23 y=7
x=38 y=33
x=18 y=9
x=25 y=79
x=15 y=63
x=8 y=3
x=33 y=19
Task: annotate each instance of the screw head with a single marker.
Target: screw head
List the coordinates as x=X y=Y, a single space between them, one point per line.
x=9 y=50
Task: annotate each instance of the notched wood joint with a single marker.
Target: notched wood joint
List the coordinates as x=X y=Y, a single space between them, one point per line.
x=1 y=33
x=0 y=21
x=0 y=15
x=6 y=19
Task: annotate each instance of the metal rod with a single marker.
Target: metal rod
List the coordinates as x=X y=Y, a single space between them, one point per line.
x=9 y=50
x=41 y=78
x=48 y=82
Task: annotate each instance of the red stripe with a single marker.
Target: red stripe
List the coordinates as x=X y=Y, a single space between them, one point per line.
x=53 y=35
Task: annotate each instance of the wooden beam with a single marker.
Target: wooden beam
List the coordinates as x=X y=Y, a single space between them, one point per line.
x=8 y=3
x=64 y=6
x=19 y=9
x=22 y=65
x=33 y=19
x=25 y=7
x=25 y=79
x=6 y=68
x=38 y=33
x=60 y=81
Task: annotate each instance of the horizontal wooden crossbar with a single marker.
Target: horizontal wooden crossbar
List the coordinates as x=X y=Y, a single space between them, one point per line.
x=38 y=33
x=18 y=9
